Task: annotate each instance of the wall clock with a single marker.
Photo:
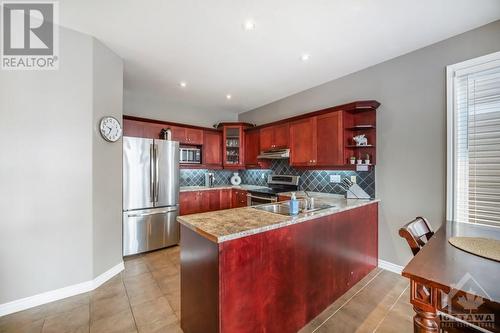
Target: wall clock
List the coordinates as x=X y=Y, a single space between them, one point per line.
x=110 y=129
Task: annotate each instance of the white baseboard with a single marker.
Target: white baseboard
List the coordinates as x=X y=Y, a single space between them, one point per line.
x=54 y=295
x=389 y=266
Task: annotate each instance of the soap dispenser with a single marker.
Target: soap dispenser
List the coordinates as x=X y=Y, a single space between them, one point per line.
x=294 y=204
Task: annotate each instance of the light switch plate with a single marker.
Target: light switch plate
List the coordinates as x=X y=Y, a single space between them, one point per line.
x=334 y=178
x=353 y=179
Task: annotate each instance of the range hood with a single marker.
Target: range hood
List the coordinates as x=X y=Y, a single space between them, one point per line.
x=275 y=154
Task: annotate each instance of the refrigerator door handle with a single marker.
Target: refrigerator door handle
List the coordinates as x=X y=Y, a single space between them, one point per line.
x=151 y=173
x=157 y=181
x=153 y=213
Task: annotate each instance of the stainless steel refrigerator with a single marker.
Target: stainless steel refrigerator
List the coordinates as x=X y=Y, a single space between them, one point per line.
x=150 y=194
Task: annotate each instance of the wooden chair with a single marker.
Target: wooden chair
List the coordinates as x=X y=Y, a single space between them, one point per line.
x=414 y=233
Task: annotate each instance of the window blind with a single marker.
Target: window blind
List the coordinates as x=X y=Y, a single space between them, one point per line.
x=477 y=144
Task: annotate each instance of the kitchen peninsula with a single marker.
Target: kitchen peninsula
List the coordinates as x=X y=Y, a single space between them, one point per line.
x=249 y=270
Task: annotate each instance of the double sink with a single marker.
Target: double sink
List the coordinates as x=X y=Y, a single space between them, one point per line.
x=283 y=208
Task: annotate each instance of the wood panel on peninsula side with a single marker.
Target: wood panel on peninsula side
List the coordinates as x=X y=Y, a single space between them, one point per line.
x=274 y=280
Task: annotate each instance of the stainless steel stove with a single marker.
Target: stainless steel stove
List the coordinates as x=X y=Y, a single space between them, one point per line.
x=277 y=184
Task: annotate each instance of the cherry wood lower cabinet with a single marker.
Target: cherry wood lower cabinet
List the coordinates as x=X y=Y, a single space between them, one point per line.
x=275 y=281
x=189 y=203
x=283 y=197
x=225 y=199
x=194 y=202
x=239 y=198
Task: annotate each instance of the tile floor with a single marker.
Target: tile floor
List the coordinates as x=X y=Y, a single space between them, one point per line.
x=146 y=298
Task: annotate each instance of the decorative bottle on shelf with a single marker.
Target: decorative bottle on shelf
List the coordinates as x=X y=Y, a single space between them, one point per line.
x=236 y=179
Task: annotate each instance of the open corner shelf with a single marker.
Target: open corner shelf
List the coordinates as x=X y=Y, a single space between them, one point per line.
x=360 y=127
x=354 y=146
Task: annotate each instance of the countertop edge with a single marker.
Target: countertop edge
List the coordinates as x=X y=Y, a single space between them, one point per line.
x=219 y=187
x=291 y=221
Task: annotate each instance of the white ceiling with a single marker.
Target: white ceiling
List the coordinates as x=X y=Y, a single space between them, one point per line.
x=204 y=44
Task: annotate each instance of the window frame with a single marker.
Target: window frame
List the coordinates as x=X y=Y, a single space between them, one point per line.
x=479 y=63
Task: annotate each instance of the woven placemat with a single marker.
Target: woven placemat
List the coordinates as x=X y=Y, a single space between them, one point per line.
x=483 y=247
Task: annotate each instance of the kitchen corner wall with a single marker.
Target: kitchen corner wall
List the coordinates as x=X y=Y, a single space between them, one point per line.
x=61 y=184
x=411 y=127
x=106 y=160
x=310 y=180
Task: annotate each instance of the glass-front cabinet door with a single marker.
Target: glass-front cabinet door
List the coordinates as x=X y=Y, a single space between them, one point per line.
x=234 y=144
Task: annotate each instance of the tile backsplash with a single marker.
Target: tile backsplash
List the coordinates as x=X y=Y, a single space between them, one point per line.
x=310 y=180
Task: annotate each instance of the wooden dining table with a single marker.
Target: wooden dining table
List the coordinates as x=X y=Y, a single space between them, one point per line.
x=453 y=290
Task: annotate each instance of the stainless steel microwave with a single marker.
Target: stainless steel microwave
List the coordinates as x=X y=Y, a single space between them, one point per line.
x=190 y=155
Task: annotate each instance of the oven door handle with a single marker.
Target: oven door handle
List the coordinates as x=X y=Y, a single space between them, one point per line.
x=274 y=199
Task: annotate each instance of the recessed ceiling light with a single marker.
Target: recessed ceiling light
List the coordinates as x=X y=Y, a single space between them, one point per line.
x=305 y=57
x=228 y=96
x=183 y=84
x=249 y=25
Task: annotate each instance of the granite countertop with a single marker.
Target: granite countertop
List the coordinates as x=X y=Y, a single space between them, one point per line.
x=224 y=225
x=315 y=195
x=220 y=187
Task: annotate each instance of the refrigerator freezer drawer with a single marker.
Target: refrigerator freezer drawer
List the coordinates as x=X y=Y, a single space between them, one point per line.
x=149 y=229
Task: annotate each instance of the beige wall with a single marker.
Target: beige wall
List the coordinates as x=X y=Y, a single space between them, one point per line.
x=411 y=127
x=106 y=161
x=53 y=170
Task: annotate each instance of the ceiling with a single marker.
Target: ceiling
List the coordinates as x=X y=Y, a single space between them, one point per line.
x=204 y=44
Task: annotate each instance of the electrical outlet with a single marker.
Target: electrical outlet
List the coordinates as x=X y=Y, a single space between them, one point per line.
x=263 y=176
x=353 y=179
x=334 y=178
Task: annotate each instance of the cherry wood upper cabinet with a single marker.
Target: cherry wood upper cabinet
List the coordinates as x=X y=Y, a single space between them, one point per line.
x=281 y=133
x=274 y=137
x=303 y=142
x=252 y=139
x=233 y=145
x=266 y=138
x=212 y=149
x=178 y=133
x=185 y=135
x=142 y=129
x=194 y=136
x=145 y=128
x=318 y=141
x=329 y=139
x=133 y=128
